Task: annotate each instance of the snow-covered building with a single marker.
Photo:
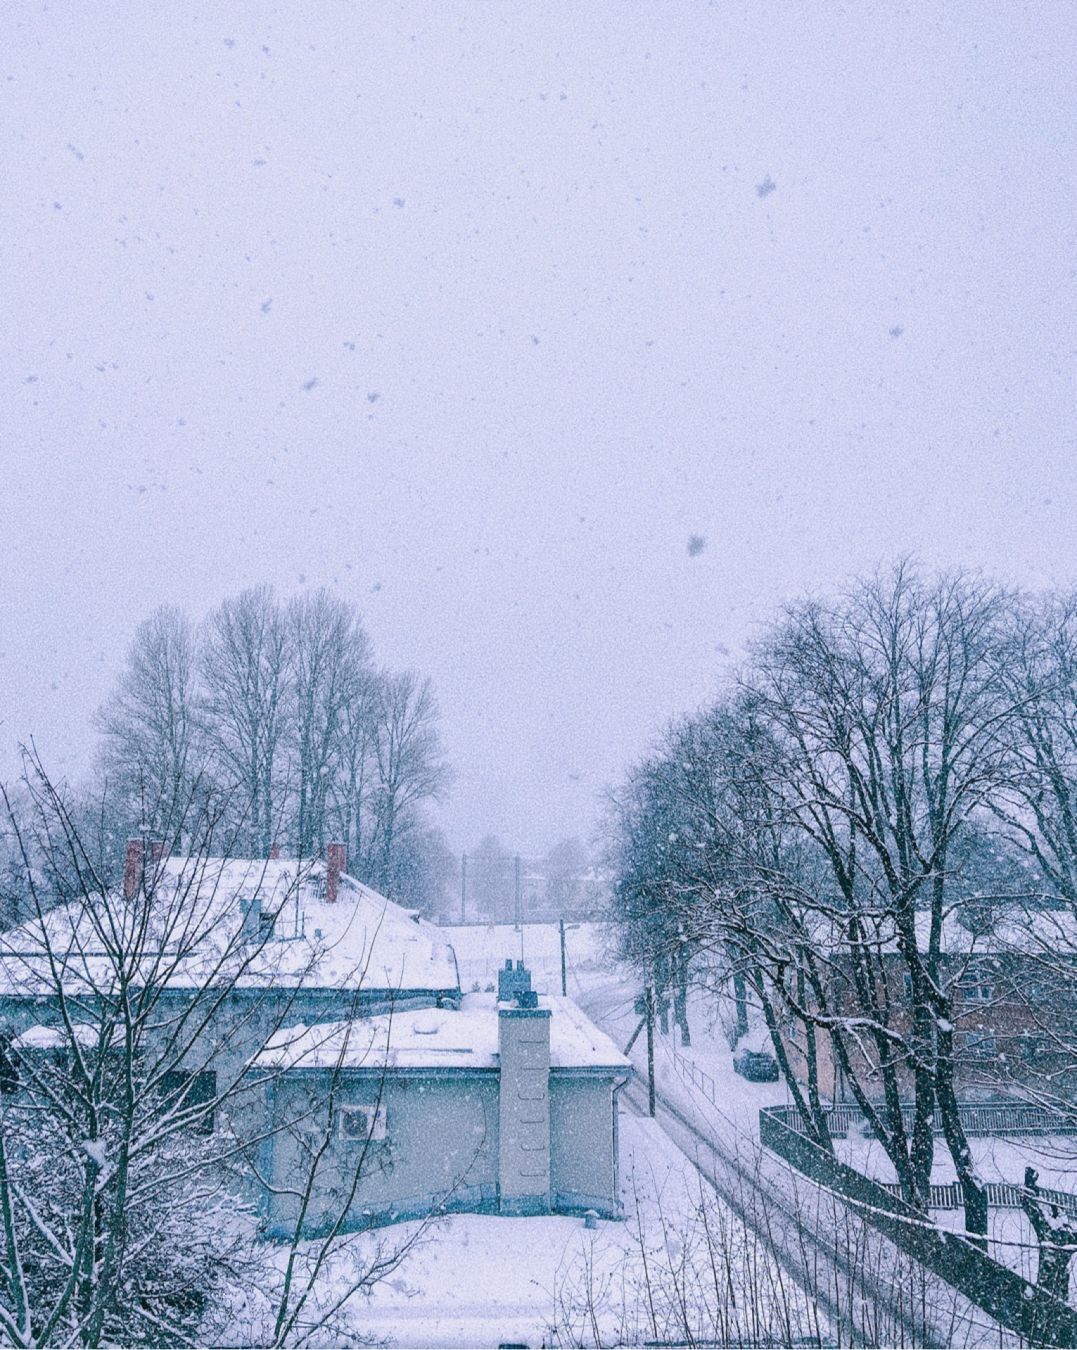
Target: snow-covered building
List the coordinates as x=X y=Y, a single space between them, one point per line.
x=322 y=1030
x=303 y=942
x=506 y=1104
x=1009 y=981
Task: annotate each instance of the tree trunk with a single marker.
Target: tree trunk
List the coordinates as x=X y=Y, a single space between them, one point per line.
x=740 y=998
x=973 y=1193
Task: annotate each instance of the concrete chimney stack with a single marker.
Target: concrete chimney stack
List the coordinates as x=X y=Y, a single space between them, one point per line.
x=336 y=861
x=132 y=869
x=523 y=1035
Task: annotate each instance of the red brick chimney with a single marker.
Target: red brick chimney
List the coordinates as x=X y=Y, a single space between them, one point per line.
x=274 y=853
x=132 y=869
x=158 y=850
x=336 y=861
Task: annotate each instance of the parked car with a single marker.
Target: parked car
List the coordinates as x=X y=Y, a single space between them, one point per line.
x=758 y=1066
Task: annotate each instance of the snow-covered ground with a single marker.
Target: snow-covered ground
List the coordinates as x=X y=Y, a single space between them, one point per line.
x=482 y=950
x=479 y=1280
x=1012 y=1241
x=995 y=1159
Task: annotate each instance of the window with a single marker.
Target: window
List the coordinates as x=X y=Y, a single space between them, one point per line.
x=257 y=924
x=908 y=985
x=975 y=992
x=9 y=1066
x=360 y=1123
x=183 y=1091
x=979 y=1044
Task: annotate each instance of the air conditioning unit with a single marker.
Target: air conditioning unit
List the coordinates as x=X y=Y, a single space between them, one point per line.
x=360 y=1123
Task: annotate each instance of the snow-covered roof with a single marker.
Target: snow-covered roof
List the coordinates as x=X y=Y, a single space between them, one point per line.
x=1021 y=931
x=438 y=1038
x=57 y=1038
x=195 y=924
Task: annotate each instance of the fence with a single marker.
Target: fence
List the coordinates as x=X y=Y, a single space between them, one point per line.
x=978 y=1118
x=1022 y=1307
x=999 y=1291
x=1000 y=1195
x=699 y=1077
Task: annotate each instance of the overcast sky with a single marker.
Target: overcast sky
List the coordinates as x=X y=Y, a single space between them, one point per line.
x=487 y=314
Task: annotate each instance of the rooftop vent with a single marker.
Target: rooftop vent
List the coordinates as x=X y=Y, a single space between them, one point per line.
x=132 y=869
x=512 y=982
x=336 y=862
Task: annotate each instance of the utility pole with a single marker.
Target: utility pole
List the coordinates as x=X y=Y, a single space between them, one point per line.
x=517 y=892
x=463 y=888
x=648 y=998
x=564 y=965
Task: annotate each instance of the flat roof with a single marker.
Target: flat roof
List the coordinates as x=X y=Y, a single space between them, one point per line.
x=438 y=1038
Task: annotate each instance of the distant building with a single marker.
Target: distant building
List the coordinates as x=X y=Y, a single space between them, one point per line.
x=1011 y=985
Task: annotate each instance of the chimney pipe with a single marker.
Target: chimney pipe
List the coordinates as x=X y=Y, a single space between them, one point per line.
x=523 y=1037
x=336 y=858
x=132 y=869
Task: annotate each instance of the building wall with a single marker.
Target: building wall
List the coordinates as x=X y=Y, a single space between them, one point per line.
x=441 y=1145
x=583 y=1159
x=1004 y=1011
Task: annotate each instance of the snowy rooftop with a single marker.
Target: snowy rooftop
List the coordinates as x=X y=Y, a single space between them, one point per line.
x=1020 y=931
x=196 y=921
x=456 y=1038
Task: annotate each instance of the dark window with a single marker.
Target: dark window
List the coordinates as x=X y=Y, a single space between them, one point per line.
x=361 y=1122
x=9 y=1066
x=184 y=1091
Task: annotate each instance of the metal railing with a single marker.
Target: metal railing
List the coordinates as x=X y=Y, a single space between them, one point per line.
x=695 y=1075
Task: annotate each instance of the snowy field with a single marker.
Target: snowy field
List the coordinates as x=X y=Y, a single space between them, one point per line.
x=1012 y=1241
x=479 y=1280
x=996 y=1159
x=482 y=950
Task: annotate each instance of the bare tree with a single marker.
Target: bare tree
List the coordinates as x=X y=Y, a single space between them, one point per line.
x=329 y=670
x=353 y=786
x=815 y=830
x=1055 y=1237
x=410 y=763
x=245 y=663
x=891 y=721
x=133 y=1091
x=153 y=747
